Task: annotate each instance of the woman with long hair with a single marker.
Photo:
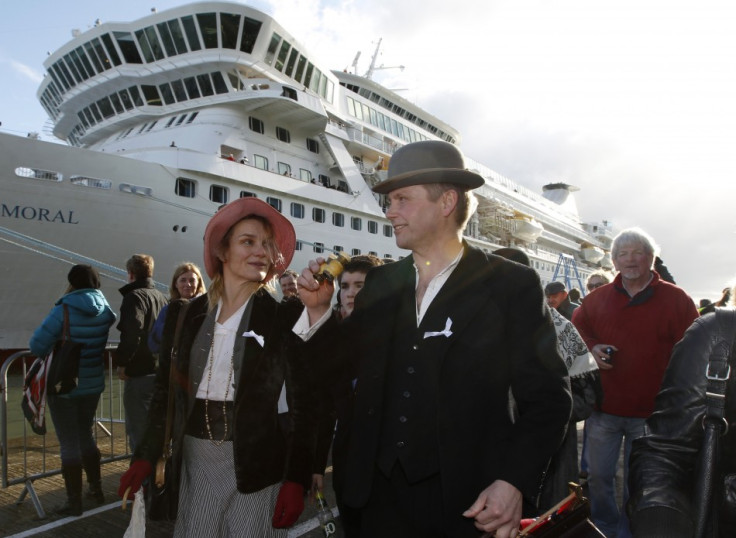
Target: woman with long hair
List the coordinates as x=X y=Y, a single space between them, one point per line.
x=234 y=472
x=72 y=414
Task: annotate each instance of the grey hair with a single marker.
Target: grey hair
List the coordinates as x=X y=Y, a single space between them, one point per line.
x=634 y=236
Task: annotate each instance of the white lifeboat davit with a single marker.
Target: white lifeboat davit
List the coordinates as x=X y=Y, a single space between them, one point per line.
x=525 y=228
x=592 y=253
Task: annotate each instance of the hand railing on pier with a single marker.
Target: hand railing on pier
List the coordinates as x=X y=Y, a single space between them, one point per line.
x=27 y=457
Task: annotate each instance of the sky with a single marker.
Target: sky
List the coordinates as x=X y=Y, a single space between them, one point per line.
x=632 y=101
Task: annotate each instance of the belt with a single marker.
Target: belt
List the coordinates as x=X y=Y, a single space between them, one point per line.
x=197 y=424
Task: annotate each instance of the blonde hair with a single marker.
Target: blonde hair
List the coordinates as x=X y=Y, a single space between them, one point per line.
x=466 y=205
x=186 y=267
x=140 y=266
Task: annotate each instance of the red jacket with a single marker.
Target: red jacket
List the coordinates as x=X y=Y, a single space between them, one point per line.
x=644 y=329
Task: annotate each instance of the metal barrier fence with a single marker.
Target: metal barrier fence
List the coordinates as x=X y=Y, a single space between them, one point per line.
x=27 y=457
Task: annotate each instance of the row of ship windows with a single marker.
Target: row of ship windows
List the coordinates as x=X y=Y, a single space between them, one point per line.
x=383 y=122
x=218 y=194
x=319 y=248
x=153 y=43
x=221 y=195
x=388 y=105
x=296 y=66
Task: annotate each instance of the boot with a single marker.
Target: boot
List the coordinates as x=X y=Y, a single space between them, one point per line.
x=91 y=463
x=73 y=481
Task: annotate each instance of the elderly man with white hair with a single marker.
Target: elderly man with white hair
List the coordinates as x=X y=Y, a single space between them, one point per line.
x=630 y=327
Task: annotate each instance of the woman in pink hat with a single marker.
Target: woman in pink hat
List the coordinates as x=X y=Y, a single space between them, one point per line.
x=234 y=471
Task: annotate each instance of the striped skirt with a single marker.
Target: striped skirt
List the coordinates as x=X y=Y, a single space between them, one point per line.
x=210 y=504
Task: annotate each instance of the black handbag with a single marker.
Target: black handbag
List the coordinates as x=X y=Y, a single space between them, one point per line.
x=162 y=502
x=64 y=366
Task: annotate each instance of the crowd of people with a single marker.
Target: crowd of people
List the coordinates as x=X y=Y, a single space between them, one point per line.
x=447 y=386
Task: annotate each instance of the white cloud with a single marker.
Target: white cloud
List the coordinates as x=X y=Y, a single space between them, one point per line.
x=26 y=71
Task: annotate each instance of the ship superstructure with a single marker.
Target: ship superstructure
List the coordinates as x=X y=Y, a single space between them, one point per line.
x=174 y=114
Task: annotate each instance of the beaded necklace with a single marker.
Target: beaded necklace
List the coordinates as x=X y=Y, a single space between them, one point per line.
x=224 y=401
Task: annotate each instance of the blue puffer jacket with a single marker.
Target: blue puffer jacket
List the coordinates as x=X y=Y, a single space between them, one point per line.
x=90 y=319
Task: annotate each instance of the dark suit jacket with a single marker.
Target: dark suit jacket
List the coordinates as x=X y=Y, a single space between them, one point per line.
x=502 y=337
x=262 y=456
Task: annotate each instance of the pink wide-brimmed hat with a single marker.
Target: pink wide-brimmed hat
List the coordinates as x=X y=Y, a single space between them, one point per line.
x=228 y=215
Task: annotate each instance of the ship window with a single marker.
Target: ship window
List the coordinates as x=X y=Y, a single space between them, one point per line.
x=219 y=194
x=283 y=53
x=208 y=29
x=250 y=34
x=107 y=40
x=95 y=112
x=298 y=245
x=324 y=180
x=192 y=88
x=372 y=227
x=312 y=145
x=292 y=62
x=36 y=173
x=229 y=24
x=259 y=161
x=248 y=194
x=235 y=81
x=166 y=93
x=85 y=62
x=81 y=117
x=297 y=210
x=351 y=107
x=314 y=83
x=330 y=91
x=158 y=52
x=179 y=91
x=205 y=84
x=272 y=48
x=388 y=256
x=255 y=124
x=356 y=223
x=93 y=56
x=74 y=68
x=178 y=36
x=136 y=95
x=191 y=118
x=300 y=68
x=191 y=31
x=117 y=105
x=185 y=187
x=305 y=175
x=284 y=169
x=338 y=219
x=274 y=202
x=283 y=134
x=170 y=122
x=355 y=252
x=127 y=47
x=219 y=82
x=67 y=74
x=308 y=74
x=145 y=47
x=338 y=248
x=181 y=119
x=318 y=214
x=91 y=182
x=342 y=186
x=319 y=247
x=150 y=93
x=89 y=116
x=388 y=231
x=153 y=124
x=163 y=31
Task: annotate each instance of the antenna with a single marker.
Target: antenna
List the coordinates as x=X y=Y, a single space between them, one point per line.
x=372 y=68
x=355 y=63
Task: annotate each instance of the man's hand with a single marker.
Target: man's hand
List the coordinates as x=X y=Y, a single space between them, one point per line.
x=318 y=482
x=121 y=373
x=315 y=295
x=497 y=508
x=599 y=353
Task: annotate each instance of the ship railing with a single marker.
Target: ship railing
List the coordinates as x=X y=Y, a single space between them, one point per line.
x=27 y=457
x=357 y=135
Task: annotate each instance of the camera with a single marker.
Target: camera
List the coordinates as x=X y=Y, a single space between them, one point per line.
x=608 y=351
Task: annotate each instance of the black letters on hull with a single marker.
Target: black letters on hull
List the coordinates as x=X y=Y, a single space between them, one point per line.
x=42 y=214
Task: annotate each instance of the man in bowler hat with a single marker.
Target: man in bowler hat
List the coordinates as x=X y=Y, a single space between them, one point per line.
x=438 y=340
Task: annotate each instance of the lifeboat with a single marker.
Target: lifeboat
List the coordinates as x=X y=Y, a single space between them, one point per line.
x=592 y=253
x=606 y=261
x=525 y=228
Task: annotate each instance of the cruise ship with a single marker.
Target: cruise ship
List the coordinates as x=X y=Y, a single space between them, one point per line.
x=170 y=116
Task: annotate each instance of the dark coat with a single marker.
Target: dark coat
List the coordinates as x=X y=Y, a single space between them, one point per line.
x=663 y=467
x=502 y=337
x=262 y=457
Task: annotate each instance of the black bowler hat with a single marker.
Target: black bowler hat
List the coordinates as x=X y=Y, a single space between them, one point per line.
x=554 y=287
x=83 y=277
x=429 y=161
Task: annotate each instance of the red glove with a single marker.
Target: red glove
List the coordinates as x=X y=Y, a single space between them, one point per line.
x=289 y=505
x=138 y=471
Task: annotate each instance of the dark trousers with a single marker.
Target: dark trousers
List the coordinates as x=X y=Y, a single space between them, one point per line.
x=397 y=509
x=73 y=419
